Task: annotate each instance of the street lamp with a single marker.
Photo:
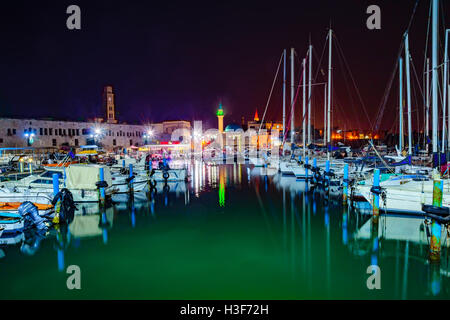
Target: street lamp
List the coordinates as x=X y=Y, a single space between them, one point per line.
x=148 y=135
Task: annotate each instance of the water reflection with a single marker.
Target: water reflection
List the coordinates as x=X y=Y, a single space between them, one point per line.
x=287 y=236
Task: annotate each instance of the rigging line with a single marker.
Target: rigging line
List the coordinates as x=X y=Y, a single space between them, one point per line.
x=293 y=104
x=352 y=104
x=426 y=41
x=388 y=88
x=338 y=45
x=271 y=90
x=319 y=69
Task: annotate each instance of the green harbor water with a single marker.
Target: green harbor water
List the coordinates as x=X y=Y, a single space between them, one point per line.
x=232 y=232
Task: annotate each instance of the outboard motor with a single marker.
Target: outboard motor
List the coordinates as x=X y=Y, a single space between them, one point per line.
x=32 y=218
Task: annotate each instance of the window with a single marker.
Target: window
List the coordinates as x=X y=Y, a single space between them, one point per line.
x=50 y=131
x=54 y=142
x=14 y=131
x=43 y=181
x=84 y=132
x=45 y=131
x=1 y=140
x=60 y=132
x=76 y=142
x=49 y=174
x=9 y=132
x=114 y=142
x=131 y=142
x=41 y=131
x=78 y=132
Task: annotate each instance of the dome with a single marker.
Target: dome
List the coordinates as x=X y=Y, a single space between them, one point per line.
x=232 y=127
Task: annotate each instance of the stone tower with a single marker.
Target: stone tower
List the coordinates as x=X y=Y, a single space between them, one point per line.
x=220 y=117
x=108 y=104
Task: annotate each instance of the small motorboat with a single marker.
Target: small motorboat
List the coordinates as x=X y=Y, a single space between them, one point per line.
x=11 y=222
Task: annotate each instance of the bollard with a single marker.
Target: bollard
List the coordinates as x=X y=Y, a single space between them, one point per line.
x=314 y=166
x=344 y=225
x=130 y=186
x=123 y=163
x=345 y=184
x=300 y=159
x=376 y=197
x=104 y=231
x=102 y=190
x=133 y=215
x=21 y=166
x=436 y=228
x=30 y=167
x=327 y=178
x=55 y=192
x=306 y=169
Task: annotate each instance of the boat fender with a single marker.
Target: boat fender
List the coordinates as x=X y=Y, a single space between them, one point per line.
x=101 y=184
x=376 y=190
x=317 y=176
x=31 y=214
x=439 y=211
x=329 y=174
x=166 y=188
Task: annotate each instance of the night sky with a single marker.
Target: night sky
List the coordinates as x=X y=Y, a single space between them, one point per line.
x=170 y=60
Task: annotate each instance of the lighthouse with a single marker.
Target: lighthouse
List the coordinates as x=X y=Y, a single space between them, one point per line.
x=220 y=117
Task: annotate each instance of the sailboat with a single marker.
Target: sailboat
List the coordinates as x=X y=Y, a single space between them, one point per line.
x=408 y=193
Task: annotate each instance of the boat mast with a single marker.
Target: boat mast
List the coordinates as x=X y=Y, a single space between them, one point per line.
x=434 y=75
x=304 y=107
x=400 y=76
x=309 y=93
x=325 y=116
x=427 y=118
x=284 y=93
x=292 y=96
x=329 y=89
x=444 y=100
x=408 y=93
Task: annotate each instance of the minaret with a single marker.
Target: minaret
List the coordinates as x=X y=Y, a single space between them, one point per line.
x=256 y=117
x=220 y=117
x=108 y=104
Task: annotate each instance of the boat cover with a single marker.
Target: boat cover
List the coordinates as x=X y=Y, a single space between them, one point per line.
x=85 y=176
